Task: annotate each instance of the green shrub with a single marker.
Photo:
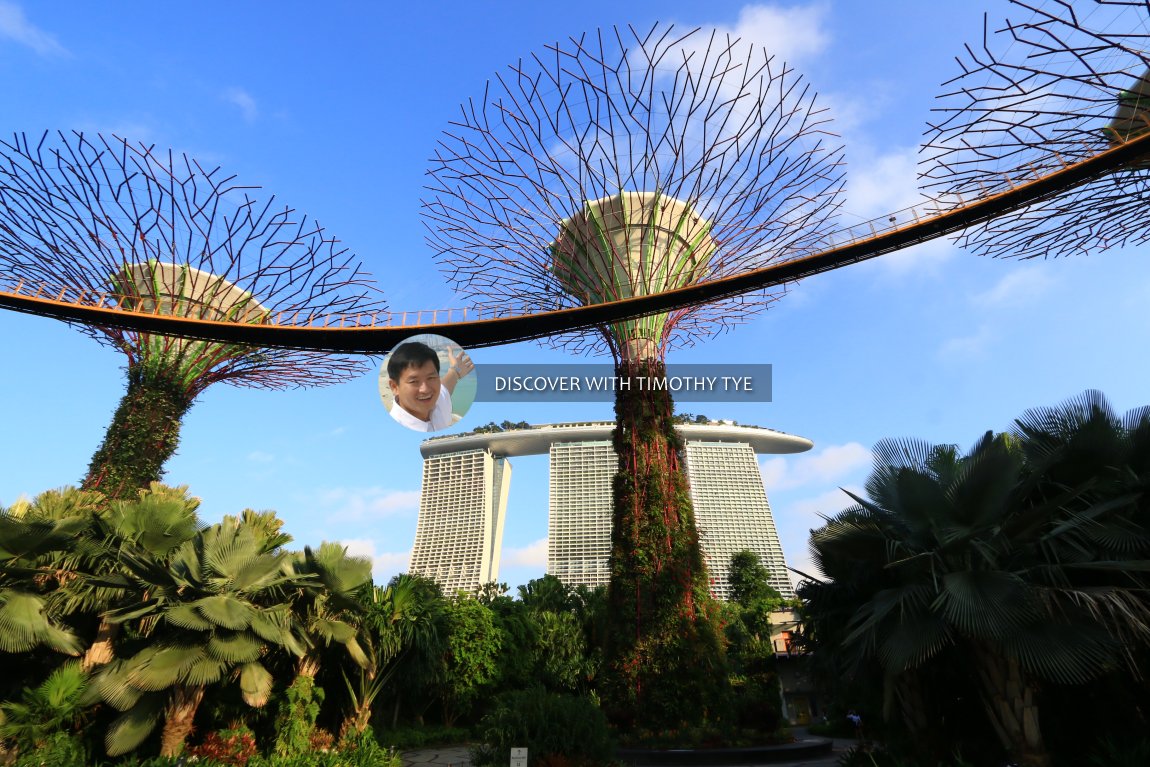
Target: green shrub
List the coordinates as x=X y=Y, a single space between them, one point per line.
x=295 y=720
x=554 y=728
x=881 y=757
x=1122 y=752
x=155 y=761
x=57 y=750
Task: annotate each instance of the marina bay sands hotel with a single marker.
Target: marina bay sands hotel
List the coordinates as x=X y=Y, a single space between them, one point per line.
x=463 y=502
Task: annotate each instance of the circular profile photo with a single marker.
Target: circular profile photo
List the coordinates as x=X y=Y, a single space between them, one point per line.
x=427 y=383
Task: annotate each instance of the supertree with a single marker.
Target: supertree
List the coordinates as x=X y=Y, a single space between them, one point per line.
x=107 y=222
x=1070 y=81
x=623 y=163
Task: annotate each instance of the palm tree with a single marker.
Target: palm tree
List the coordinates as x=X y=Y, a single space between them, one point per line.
x=33 y=537
x=214 y=612
x=328 y=612
x=1022 y=553
x=326 y=605
x=156 y=522
x=43 y=716
x=404 y=625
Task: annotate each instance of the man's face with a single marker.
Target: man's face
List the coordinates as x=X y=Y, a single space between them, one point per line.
x=417 y=389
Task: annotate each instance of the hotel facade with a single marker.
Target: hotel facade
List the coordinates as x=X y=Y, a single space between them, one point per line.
x=463 y=501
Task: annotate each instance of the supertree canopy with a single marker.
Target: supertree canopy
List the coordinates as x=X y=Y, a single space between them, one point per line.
x=106 y=222
x=1066 y=82
x=625 y=163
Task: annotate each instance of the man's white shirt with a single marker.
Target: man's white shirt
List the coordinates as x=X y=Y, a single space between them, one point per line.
x=440 y=414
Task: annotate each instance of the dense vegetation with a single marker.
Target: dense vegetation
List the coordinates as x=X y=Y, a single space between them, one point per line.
x=131 y=630
x=994 y=602
x=978 y=606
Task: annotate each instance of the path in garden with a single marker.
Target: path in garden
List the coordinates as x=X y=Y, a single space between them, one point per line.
x=458 y=756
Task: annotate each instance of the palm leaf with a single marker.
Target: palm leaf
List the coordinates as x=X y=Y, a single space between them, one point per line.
x=159 y=667
x=131 y=729
x=1063 y=653
x=333 y=631
x=204 y=671
x=226 y=611
x=25 y=626
x=985 y=603
x=131 y=612
x=234 y=647
x=256 y=684
x=912 y=641
x=185 y=616
x=110 y=685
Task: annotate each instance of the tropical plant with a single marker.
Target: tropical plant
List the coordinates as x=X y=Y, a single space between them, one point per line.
x=156 y=521
x=328 y=612
x=404 y=624
x=31 y=542
x=555 y=728
x=1024 y=555
x=213 y=613
x=326 y=603
x=470 y=663
x=43 y=718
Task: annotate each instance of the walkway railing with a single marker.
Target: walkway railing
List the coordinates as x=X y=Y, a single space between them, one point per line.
x=375 y=332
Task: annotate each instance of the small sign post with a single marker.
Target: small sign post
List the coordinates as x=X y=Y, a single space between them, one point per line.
x=518 y=757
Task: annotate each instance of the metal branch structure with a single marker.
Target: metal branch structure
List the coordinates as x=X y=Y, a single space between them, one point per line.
x=1068 y=82
x=625 y=164
x=115 y=223
x=707 y=156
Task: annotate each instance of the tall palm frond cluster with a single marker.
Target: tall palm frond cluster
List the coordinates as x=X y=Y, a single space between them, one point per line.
x=1022 y=562
x=163 y=608
x=129 y=628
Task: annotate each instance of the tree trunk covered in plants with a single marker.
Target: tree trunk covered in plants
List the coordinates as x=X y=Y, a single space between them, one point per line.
x=664 y=663
x=179 y=718
x=143 y=435
x=1012 y=707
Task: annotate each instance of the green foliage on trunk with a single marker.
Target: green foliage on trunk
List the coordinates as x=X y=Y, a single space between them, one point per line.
x=143 y=435
x=664 y=659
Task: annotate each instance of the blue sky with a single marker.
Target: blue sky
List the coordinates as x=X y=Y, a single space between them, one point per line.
x=336 y=107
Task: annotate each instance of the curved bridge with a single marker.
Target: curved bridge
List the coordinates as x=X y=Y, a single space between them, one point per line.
x=377 y=333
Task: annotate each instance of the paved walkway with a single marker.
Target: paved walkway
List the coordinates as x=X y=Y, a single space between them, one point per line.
x=458 y=756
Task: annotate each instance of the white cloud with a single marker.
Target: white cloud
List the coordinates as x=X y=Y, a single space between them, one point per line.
x=884 y=185
x=359 y=503
x=812 y=510
x=259 y=456
x=881 y=184
x=1020 y=286
x=384 y=564
x=531 y=555
x=796 y=520
x=240 y=98
x=823 y=467
x=920 y=259
x=963 y=348
x=14 y=25
x=789 y=33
